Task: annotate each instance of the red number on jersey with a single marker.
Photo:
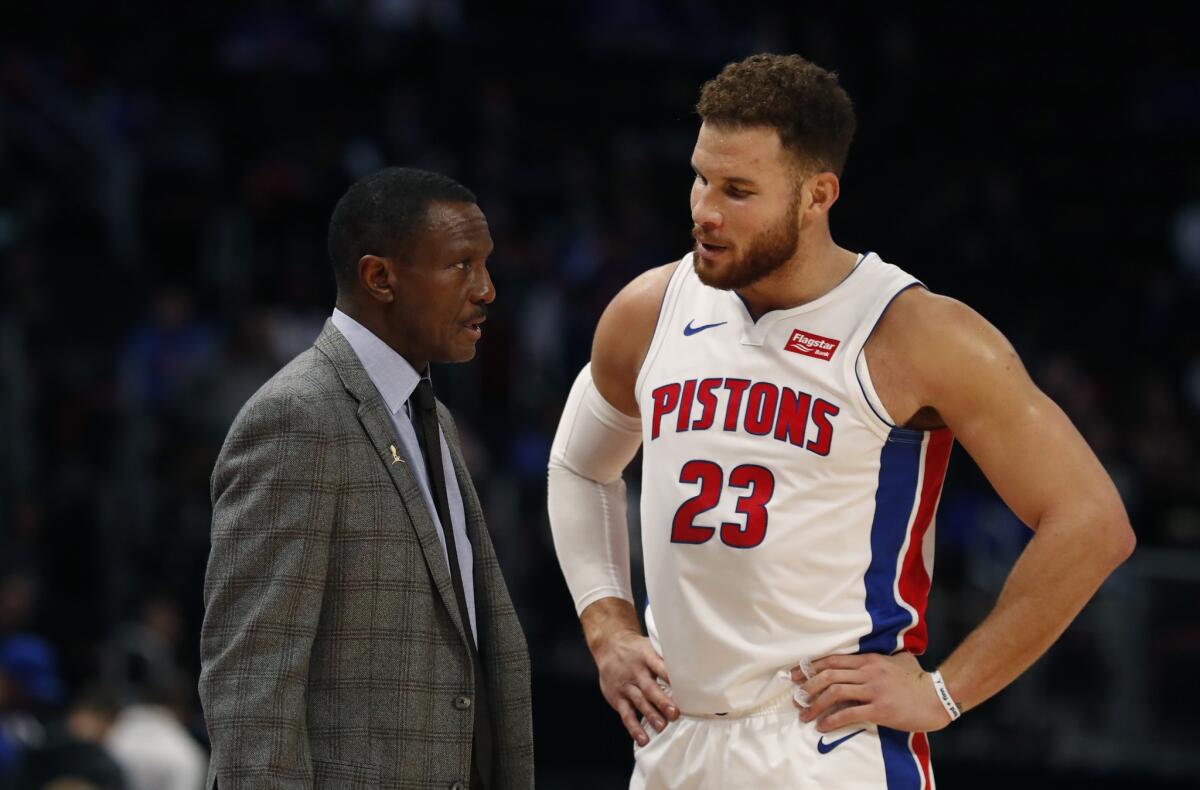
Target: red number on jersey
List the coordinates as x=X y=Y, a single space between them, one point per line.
x=761 y=483
x=757 y=479
x=709 y=476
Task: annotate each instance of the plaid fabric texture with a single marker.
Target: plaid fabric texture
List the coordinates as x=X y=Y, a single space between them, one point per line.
x=333 y=654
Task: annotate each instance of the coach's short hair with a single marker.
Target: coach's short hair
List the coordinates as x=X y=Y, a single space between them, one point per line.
x=383 y=213
x=802 y=101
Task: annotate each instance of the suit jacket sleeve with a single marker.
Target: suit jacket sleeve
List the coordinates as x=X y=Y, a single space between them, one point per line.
x=272 y=489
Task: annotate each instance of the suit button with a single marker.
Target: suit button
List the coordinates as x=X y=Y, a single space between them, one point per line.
x=458 y=786
x=462 y=703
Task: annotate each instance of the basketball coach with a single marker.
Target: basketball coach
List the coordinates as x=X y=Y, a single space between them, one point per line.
x=357 y=629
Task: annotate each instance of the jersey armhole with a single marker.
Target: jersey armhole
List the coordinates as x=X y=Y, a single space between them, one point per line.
x=665 y=309
x=870 y=405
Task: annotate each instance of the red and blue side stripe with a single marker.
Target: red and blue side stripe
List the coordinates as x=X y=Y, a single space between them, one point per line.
x=906 y=759
x=912 y=469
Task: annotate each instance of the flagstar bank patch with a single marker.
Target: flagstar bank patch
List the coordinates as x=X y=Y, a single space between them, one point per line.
x=810 y=345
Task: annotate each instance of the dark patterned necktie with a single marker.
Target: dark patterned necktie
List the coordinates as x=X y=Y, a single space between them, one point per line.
x=428 y=435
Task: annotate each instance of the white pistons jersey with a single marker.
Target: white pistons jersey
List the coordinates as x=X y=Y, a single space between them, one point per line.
x=784 y=516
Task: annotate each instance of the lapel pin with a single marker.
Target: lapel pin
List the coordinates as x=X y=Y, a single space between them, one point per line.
x=396 y=459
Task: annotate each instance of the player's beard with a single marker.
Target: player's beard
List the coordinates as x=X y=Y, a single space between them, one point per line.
x=766 y=252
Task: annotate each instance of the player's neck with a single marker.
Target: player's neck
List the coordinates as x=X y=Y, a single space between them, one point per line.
x=810 y=274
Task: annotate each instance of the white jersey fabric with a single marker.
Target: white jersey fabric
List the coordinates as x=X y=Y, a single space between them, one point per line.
x=784 y=515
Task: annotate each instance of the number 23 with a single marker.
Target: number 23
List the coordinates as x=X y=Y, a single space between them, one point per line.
x=760 y=484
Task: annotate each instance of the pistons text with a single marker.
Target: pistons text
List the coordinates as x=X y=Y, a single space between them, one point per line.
x=759 y=408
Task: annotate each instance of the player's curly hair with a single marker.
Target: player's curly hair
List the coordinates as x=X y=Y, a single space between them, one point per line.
x=802 y=101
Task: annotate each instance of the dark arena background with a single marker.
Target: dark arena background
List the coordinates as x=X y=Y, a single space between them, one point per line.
x=167 y=171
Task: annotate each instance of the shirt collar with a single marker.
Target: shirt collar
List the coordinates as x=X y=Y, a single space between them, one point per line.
x=391 y=373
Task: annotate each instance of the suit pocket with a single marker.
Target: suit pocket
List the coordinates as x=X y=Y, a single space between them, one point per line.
x=334 y=775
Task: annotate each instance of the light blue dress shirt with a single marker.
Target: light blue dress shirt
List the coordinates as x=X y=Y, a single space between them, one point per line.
x=396 y=379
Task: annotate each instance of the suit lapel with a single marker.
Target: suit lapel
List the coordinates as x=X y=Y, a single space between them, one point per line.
x=377 y=423
x=471 y=507
x=484 y=563
x=502 y=643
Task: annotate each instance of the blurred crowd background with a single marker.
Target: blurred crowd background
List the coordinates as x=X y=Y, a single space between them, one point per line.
x=166 y=176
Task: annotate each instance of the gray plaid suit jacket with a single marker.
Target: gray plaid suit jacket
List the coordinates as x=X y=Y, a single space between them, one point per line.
x=333 y=653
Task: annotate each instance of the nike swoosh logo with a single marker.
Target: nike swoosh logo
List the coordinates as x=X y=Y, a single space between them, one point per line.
x=826 y=748
x=690 y=330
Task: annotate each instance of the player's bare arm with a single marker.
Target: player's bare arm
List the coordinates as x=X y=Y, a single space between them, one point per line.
x=936 y=362
x=628 y=665
x=623 y=336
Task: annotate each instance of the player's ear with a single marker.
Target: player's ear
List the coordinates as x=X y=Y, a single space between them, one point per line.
x=374 y=276
x=824 y=189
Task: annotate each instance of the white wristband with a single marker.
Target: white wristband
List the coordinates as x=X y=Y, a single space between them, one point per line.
x=943 y=695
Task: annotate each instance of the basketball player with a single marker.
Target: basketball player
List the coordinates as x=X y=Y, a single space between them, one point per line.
x=795 y=403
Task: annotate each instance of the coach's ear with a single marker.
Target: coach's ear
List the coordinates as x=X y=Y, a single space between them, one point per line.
x=373 y=275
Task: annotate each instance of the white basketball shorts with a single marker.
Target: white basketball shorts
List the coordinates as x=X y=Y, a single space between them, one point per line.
x=769 y=747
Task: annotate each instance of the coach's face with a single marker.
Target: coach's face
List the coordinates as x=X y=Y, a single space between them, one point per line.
x=441 y=287
x=746 y=204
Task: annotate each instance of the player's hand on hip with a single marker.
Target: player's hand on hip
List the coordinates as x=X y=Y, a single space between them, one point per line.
x=629 y=673
x=869 y=688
